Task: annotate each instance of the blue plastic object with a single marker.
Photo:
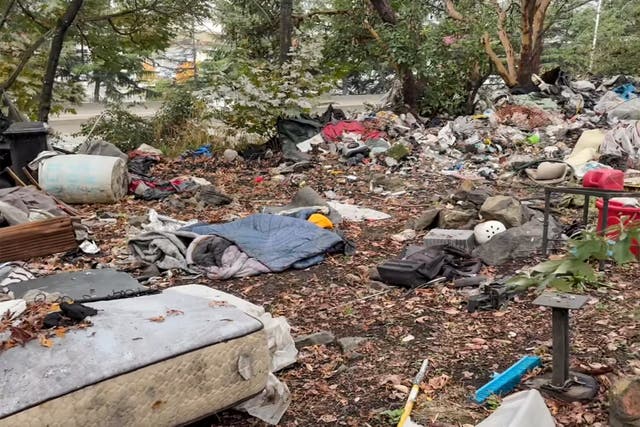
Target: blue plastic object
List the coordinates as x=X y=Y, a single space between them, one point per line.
x=507 y=380
x=205 y=151
x=625 y=91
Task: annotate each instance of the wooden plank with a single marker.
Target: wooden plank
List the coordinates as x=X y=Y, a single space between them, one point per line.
x=38 y=238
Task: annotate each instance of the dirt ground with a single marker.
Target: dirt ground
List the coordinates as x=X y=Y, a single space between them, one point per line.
x=356 y=389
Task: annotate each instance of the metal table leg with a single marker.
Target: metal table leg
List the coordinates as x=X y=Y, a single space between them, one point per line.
x=585 y=212
x=560 y=326
x=545 y=224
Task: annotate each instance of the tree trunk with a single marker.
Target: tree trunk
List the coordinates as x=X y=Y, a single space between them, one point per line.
x=96 y=90
x=54 y=58
x=286 y=29
x=411 y=88
x=532 y=34
x=385 y=11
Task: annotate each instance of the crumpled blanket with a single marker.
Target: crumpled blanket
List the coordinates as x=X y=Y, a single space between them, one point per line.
x=165 y=249
x=278 y=242
x=221 y=259
x=23 y=204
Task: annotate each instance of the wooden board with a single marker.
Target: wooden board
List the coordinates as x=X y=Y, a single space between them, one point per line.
x=38 y=238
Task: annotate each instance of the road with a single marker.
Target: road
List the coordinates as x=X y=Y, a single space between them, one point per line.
x=68 y=123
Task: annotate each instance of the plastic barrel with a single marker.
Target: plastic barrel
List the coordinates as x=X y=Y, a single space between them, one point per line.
x=83 y=178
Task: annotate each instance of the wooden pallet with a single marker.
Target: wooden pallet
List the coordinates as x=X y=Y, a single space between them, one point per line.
x=38 y=238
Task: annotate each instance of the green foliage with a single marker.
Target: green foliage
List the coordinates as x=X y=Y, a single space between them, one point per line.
x=180 y=124
x=445 y=55
x=618 y=37
x=575 y=271
x=114 y=36
x=252 y=95
x=493 y=402
x=393 y=415
x=125 y=130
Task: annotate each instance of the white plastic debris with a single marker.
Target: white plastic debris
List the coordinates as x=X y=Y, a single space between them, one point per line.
x=356 y=213
x=89 y=247
x=523 y=409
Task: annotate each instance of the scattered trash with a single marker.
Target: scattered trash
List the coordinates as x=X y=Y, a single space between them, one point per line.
x=491 y=296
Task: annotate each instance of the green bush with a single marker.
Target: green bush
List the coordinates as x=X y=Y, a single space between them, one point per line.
x=181 y=124
x=118 y=126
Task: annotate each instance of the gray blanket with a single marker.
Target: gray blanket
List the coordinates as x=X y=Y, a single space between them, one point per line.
x=163 y=248
x=220 y=259
x=278 y=242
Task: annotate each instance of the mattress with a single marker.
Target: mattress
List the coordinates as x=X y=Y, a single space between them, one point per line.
x=193 y=359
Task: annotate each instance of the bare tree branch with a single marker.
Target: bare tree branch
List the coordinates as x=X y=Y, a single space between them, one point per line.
x=385 y=11
x=31 y=16
x=504 y=39
x=452 y=11
x=24 y=59
x=122 y=13
x=6 y=13
x=504 y=73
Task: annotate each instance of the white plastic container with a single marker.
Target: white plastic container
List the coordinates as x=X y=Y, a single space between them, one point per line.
x=83 y=178
x=522 y=409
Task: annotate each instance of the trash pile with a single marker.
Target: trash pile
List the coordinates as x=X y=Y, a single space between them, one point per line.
x=471 y=224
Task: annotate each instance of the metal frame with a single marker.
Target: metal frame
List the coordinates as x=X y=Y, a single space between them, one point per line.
x=606 y=196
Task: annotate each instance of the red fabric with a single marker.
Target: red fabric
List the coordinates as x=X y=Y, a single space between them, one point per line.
x=604 y=179
x=333 y=131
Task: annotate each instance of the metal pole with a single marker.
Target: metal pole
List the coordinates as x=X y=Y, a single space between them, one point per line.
x=560 y=326
x=595 y=35
x=545 y=224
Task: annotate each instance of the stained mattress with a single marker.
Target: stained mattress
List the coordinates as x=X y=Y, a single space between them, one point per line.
x=129 y=370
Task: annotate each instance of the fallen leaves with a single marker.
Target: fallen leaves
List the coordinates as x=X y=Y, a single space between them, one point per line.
x=44 y=341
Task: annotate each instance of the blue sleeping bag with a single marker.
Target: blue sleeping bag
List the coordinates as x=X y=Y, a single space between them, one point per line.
x=279 y=242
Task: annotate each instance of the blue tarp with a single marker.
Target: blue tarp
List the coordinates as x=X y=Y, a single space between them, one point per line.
x=279 y=242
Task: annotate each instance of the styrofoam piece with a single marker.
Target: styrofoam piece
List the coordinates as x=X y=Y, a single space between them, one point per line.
x=522 y=409
x=506 y=381
x=461 y=239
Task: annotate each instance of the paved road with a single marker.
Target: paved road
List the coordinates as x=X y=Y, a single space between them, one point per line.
x=67 y=124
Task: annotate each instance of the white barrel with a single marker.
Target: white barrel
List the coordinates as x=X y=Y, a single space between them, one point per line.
x=83 y=178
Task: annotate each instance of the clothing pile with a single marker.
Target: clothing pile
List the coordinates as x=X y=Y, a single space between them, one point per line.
x=257 y=244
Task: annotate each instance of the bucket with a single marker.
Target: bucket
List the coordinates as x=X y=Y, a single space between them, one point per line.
x=83 y=178
x=616 y=214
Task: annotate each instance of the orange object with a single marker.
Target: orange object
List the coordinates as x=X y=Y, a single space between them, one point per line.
x=321 y=221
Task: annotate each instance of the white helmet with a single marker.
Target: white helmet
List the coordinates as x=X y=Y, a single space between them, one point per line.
x=484 y=231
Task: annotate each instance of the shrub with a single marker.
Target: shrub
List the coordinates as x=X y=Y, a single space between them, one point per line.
x=118 y=126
